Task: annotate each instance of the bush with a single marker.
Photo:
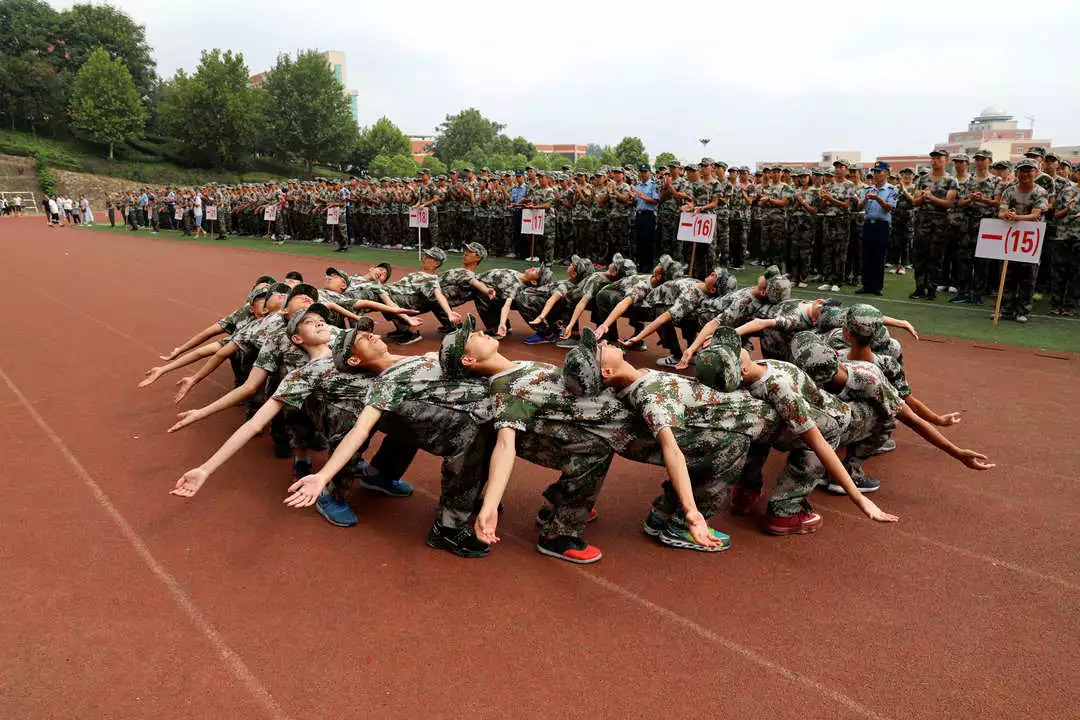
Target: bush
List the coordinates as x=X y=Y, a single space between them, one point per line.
x=45 y=176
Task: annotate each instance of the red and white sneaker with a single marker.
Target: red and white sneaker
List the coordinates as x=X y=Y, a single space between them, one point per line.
x=743 y=500
x=569 y=548
x=803 y=523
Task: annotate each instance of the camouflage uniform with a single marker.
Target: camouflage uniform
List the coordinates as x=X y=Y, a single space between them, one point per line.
x=704 y=258
x=677 y=297
x=978 y=272
x=801 y=232
x=774 y=224
x=429 y=237
x=740 y=225
x=903 y=219
x=555 y=429
x=874 y=404
x=632 y=286
x=415 y=291
x=507 y=284
x=1020 y=278
x=622 y=215
x=1065 y=285
x=959 y=254
x=714 y=430
x=668 y=218
x=836 y=232
x=931 y=234
x=446 y=417
x=721 y=244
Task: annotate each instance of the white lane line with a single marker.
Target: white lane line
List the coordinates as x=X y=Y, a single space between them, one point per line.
x=703 y=632
x=232 y=661
x=989 y=559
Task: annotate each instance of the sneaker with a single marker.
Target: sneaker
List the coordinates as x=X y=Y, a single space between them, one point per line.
x=901 y=271
x=953 y=290
x=570 y=342
x=300 y=469
x=803 y=523
x=865 y=483
x=801 y=284
x=825 y=286
x=669 y=361
x=545 y=511
x=812 y=278
x=743 y=499
x=654 y=524
x=445 y=329
x=960 y=299
x=336 y=512
x=540 y=339
x=917 y=294
x=888 y=446
x=1037 y=296
x=1021 y=318
x=460 y=541
x=382 y=484
x=569 y=548
x=676 y=535
x=931 y=295
x=640 y=346
x=835 y=288
x=940 y=288
x=408 y=338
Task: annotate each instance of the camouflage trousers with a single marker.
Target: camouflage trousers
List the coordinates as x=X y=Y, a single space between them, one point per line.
x=835 y=234
x=704 y=257
x=773 y=234
x=411 y=301
x=529 y=304
x=928 y=248
x=1065 y=278
x=667 y=228
x=606 y=300
x=618 y=228
x=1019 y=291
x=667 y=336
x=802 y=246
x=714 y=460
x=582 y=460
x=722 y=239
x=900 y=239
x=739 y=234
x=799 y=476
x=864 y=437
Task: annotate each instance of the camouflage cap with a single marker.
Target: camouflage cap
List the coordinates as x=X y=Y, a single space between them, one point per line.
x=582 y=266
x=1065 y=163
x=1035 y=151
x=452 y=348
x=707 y=161
x=983 y=154
x=623 y=266
x=581 y=368
x=1050 y=155
x=670 y=268
x=259 y=291
x=961 y=157
x=725 y=281
x=339 y=273
x=477 y=248
x=818 y=360
x=771 y=272
x=831 y=316
x=801 y=172
x=264 y=280
x=437 y=254
x=294 y=322
x=690 y=167
x=720 y=365
x=720 y=164
x=280 y=289
x=545 y=275
x=777 y=289
x=1027 y=163
x=303 y=289
x=938 y=152
x=842 y=161
x=863 y=321
x=343 y=349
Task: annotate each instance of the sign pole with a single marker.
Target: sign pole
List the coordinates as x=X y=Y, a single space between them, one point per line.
x=419 y=244
x=693 y=252
x=211 y=230
x=1001 y=289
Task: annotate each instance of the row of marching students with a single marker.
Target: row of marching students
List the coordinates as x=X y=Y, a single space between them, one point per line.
x=832 y=378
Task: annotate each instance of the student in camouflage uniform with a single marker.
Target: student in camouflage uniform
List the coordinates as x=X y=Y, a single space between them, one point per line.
x=510 y=288
x=700 y=201
x=447 y=416
x=804 y=207
x=627 y=297
x=959 y=254
x=622 y=203
x=1023 y=200
x=1065 y=287
x=674 y=193
x=775 y=199
x=460 y=285
x=563 y=297
x=739 y=234
x=935 y=193
x=419 y=291
x=619 y=268
x=983 y=195
x=430 y=198
x=836 y=200
x=903 y=222
x=815 y=418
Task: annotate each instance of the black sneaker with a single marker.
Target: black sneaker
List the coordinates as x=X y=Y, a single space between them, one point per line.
x=569 y=548
x=866 y=484
x=446 y=329
x=459 y=541
x=408 y=338
x=917 y=294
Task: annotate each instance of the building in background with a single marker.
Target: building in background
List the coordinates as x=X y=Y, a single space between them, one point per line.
x=573 y=153
x=420 y=145
x=336 y=60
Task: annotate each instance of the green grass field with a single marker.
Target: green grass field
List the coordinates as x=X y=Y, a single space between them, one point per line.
x=931 y=318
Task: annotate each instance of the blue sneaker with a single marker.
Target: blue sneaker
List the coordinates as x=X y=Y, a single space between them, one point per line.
x=386 y=486
x=675 y=534
x=540 y=339
x=336 y=512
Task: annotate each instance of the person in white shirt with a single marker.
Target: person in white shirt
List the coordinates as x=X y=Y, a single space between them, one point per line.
x=18 y=205
x=87 y=213
x=197 y=212
x=54 y=212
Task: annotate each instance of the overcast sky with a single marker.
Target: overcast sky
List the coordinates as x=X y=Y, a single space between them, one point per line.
x=763 y=80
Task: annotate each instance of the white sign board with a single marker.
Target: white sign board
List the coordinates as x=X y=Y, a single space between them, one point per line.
x=532 y=221
x=1015 y=241
x=270 y=213
x=696 y=227
x=179 y=215
x=333 y=215
x=418 y=217
x=211 y=212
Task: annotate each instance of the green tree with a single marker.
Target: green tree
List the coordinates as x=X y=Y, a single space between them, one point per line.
x=84 y=28
x=394 y=166
x=664 y=158
x=307 y=112
x=434 y=165
x=609 y=158
x=382 y=138
x=459 y=134
x=214 y=113
x=595 y=150
x=631 y=151
x=35 y=72
x=523 y=147
x=104 y=102
x=587 y=163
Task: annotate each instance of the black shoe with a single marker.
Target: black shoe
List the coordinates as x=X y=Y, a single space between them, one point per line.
x=931 y=295
x=282 y=449
x=864 y=291
x=917 y=294
x=408 y=338
x=446 y=329
x=865 y=484
x=459 y=541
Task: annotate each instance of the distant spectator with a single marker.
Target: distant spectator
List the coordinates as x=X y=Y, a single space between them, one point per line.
x=877 y=201
x=18 y=205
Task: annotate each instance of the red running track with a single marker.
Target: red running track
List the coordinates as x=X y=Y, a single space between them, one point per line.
x=124 y=602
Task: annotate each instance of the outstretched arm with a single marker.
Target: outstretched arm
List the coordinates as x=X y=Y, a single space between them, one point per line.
x=920 y=409
x=502 y=464
x=613 y=317
x=185 y=384
x=702 y=337
x=547 y=308
x=190 y=482
x=971 y=458
x=306 y=490
x=816 y=442
x=453 y=316
x=196 y=339
x=254 y=381
x=578 y=310
x=659 y=322
x=183 y=361
x=902 y=324
x=675 y=462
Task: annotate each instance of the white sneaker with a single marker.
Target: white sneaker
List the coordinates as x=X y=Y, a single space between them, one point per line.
x=826 y=286
x=802 y=285
x=835 y=288
x=940 y=288
x=953 y=290
x=669 y=361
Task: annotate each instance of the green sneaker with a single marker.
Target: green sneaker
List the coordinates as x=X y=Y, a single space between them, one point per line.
x=675 y=534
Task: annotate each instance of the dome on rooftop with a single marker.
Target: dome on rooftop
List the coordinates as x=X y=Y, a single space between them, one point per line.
x=994 y=111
